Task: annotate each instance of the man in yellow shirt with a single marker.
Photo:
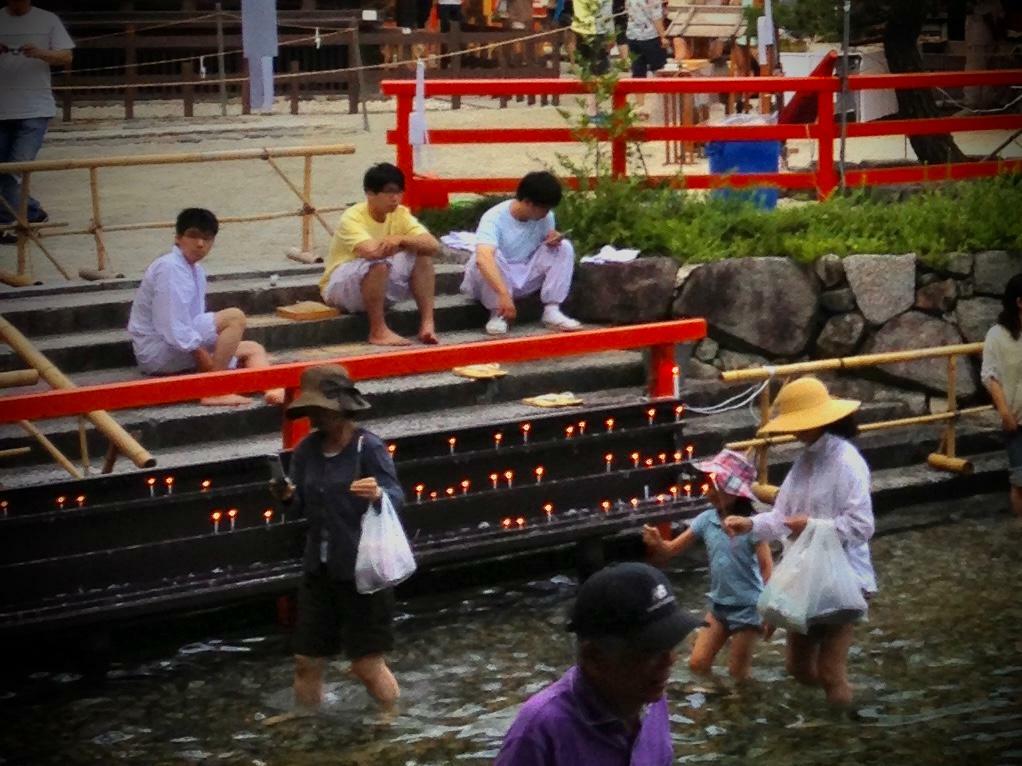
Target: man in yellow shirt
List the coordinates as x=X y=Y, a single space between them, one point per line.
x=381 y=254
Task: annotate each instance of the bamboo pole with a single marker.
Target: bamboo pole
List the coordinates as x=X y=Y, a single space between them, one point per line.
x=880 y=425
x=50 y=447
x=848 y=362
x=139 y=160
x=762 y=463
x=25 y=231
x=99 y=418
x=83 y=444
x=14 y=452
x=952 y=405
x=306 y=218
x=309 y=208
x=17 y=280
x=19 y=378
x=97 y=221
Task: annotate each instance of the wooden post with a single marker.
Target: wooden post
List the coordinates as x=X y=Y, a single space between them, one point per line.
x=221 y=75
x=25 y=187
x=360 y=78
x=762 y=458
x=246 y=88
x=307 y=244
x=661 y=370
x=188 y=90
x=130 y=72
x=292 y=87
x=83 y=443
x=826 y=178
x=352 y=76
x=455 y=61
x=97 y=220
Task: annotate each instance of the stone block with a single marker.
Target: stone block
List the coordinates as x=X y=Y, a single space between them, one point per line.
x=840 y=336
x=884 y=285
x=938 y=296
x=697 y=370
x=707 y=350
x=624 y=293
x=958 y=264
x=975 y=316
x=683 y=273
x=838 y=301
x=765 y=304
x=993 y=269
x=735 y=360
x=830 y=270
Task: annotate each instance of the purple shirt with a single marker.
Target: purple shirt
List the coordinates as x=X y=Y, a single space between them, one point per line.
x=566 y=725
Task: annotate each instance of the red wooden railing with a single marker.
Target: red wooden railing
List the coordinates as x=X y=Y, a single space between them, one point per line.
x=824 y=179
x=659 y=337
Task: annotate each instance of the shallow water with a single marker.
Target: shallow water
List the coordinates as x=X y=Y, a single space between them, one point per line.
x=937 y=671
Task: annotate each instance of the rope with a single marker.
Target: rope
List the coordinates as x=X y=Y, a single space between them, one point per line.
x=963 y=107
x=147 y=29
x=736 y=402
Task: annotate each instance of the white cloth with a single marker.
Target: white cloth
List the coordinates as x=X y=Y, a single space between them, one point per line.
x=516 y=240
x=259 y=28
x=1002 y=361
x=460 y=240
x=611 y=254
x=642 y=15
x=260 y=82
x=829 y=480
x=169 y=321
x=344 y=290
x=549 y=271
x=26 y=91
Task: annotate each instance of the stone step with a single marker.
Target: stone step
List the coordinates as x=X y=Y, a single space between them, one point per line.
x=90 y=350
x=43 y=312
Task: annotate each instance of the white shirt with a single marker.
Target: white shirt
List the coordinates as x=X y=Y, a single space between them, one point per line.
x=829 y=480
x=1002 y=361
x=25 y=91
x=516 y=240
x=170 y=302
x=642 y=15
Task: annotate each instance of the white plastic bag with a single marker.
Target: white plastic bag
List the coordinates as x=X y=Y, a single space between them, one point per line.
x=384 y=556
x=814 y=583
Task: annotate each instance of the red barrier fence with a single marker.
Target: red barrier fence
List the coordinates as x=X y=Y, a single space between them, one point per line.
x=659 y=337
x=824 y=178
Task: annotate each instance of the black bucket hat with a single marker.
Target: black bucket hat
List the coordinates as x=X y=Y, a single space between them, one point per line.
x=328 y=387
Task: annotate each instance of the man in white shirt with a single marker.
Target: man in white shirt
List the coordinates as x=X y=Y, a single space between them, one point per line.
x=31 y=41
x=520 y=252
x=171 y=331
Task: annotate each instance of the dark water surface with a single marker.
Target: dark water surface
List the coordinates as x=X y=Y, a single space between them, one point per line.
x=937 y=671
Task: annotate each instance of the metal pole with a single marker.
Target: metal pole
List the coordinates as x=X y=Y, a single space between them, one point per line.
x=844 y=90
x=220 y=59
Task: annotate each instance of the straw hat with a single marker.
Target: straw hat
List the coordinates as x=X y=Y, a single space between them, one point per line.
x=326 y=386
x=804 y=404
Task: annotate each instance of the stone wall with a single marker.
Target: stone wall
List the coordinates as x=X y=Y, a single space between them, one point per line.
x=772 y=310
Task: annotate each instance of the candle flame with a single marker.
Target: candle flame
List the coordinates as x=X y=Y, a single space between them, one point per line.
x=605 y=505
x=392 y=448
x=539 y=470
x=216 y=516
x=150 y=481
x=268 y=514
x=526 y=427
x=506 y=523
x=169 y=480
x=662 y=457
x=635 y=503
x=206 y=484
x=450 y=491
x=509 y=475
x=232 y=513
x=520 y=521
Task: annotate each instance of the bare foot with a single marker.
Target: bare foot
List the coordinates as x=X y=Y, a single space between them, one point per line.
x=427 y=335
x=389 y=338
x=274 y=396
x=227 y=400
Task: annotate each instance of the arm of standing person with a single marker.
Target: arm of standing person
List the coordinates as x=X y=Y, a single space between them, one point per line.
x=53 y=58
x=765 y=526
x=660 y=550
x=765 y=559
x=381 y=476
x=854 y=518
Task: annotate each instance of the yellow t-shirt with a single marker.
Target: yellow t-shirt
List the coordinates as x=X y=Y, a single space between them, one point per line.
x=358 y=226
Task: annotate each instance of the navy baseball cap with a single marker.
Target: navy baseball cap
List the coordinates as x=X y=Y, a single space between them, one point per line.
x=634 y=602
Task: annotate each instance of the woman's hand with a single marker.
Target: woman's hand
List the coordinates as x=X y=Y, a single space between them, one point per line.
x=737 y=525
x=366 y=488
x=797 y=524
x=656 y=547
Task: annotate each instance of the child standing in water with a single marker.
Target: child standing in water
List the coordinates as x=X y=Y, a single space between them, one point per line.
x=739 y=567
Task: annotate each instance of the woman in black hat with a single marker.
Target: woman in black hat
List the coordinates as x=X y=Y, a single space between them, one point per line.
x=337 y=472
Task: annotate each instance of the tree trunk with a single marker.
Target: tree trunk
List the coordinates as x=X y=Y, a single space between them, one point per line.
x=901 y=33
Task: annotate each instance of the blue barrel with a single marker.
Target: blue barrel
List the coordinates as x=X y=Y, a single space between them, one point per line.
x=746 y=157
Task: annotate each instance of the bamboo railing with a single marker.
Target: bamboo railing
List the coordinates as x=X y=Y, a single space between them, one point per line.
x=33 y=234
x=944 y=458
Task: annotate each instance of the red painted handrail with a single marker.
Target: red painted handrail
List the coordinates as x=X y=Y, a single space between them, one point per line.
x=658 y=336
x=824 y=131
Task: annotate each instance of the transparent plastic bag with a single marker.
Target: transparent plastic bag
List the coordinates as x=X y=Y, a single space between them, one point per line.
x=384 y=556
x=814 y=584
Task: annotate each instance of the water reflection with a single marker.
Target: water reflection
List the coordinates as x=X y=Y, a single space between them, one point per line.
x=937 y=670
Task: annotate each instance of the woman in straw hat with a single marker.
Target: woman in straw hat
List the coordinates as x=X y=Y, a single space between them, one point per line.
x=337 y=472
x=828 y=480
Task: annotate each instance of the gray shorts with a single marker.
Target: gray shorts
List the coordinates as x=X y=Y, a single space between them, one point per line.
x=344 y=290
x=1013 y=446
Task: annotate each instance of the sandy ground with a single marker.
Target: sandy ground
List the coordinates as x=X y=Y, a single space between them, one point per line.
x=146 y=194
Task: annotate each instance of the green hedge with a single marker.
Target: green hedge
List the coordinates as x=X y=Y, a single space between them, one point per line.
x=956 y=217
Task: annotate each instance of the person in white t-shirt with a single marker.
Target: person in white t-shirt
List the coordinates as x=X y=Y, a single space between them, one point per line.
x=31 y=41
x=519 y=252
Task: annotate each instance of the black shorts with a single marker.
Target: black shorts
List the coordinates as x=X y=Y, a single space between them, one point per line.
x=592 y=53
x=620 y=22
x=647 y=56
x=333 y=615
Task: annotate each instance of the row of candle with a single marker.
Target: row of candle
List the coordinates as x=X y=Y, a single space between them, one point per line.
x=168 y=483
x=231 y=518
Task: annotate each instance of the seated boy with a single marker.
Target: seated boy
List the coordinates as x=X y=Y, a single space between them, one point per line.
x=170 y=329
x=519 y=252
x=379 y=255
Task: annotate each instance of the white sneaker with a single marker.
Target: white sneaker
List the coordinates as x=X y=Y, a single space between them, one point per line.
x=496 y=326
x=555 y=319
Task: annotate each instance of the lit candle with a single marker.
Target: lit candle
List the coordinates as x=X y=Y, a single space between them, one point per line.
x=216 y=516
x=451 y=442
x=650 y=415
x=689 y=450
x=450 y=492
x=688 y=490
x=635 y=459
x=80 y=500
x=497 y=439
x=392 y=448
x=520 y=521
x=152 y=486
x=539 y=474
x=418 y=492
x=610 y=425
x=674 y=492
x=464 y=486
x=4 y=505
x=526 y=427
x=509 y=475
x=677 y=457
x=206 y=484
x=506 y=523
x=548 y=509
x=676 y=381
x=232 y=514
x=581 y=428
x=660 y=499
x=678 y=412
x=268 y=516
x=635 y=503
x=433 y=495
x=169 y=481
x=60 y=502
x=605 y=505
x=493 y=478
x=610 y=460
x=662 y=457
x=569 y=432
x=705 y=488
x=649 y=462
